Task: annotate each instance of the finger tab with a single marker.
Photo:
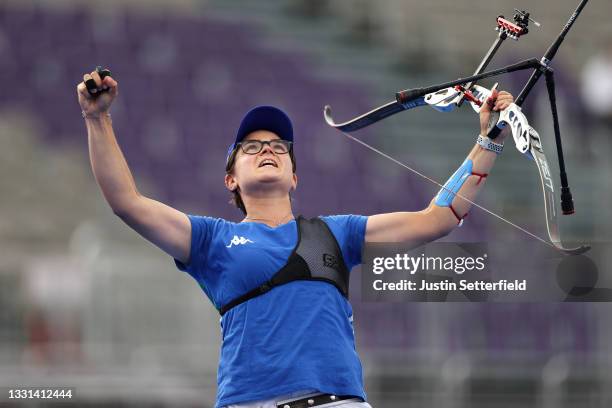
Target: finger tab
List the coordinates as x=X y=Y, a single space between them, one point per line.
x=91 y=86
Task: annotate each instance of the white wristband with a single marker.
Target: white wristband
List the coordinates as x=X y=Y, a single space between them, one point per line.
x=488 y=144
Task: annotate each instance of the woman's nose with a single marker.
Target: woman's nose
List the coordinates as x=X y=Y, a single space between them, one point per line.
x=266 y=148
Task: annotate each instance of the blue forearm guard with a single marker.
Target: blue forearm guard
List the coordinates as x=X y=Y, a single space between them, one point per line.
x=445 y=196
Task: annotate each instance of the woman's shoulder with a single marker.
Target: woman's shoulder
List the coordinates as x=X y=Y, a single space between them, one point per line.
x=211 y=224
x=342 y=224
x=342 y=218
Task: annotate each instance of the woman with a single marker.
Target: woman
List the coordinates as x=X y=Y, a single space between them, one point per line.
x=280 y=283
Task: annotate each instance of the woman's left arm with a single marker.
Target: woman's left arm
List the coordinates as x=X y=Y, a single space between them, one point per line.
x=446 y=210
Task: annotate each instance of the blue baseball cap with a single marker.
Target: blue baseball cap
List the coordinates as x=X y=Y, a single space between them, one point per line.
x=263 y=118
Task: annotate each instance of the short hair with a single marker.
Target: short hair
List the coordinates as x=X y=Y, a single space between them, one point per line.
x=236 y=199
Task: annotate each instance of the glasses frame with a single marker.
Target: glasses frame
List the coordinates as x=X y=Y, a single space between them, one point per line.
x=261 y=143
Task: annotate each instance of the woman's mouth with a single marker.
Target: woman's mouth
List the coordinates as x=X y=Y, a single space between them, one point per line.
x=268 y=162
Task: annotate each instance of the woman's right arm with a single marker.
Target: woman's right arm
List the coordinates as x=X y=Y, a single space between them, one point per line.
x=164 y=226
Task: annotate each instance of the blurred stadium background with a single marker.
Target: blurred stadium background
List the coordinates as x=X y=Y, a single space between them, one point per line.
x=86 y=303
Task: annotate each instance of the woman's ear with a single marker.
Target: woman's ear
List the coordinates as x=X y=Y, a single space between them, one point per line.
x=294 y=182
x=230 y=182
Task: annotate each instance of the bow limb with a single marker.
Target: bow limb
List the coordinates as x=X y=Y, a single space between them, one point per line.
x=550 y=209
x=372 y=116
x=528 y=142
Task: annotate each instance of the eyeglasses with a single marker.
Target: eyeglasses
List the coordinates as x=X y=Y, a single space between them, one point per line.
x=278 y=146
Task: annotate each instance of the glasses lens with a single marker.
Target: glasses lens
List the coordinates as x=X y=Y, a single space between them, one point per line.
x=251 y=146
x=280 y=146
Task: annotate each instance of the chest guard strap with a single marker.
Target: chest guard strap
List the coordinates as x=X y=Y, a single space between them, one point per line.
x=316 y=256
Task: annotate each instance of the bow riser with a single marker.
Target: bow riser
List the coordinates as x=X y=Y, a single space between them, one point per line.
x=514 y=117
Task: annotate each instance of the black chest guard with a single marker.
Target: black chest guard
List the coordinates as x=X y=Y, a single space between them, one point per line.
x=316 y=256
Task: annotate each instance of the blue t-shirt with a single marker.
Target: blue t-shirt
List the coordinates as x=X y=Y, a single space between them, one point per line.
x=298 y=336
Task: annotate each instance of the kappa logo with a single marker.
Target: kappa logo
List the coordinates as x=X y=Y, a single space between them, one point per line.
x=238 y=241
